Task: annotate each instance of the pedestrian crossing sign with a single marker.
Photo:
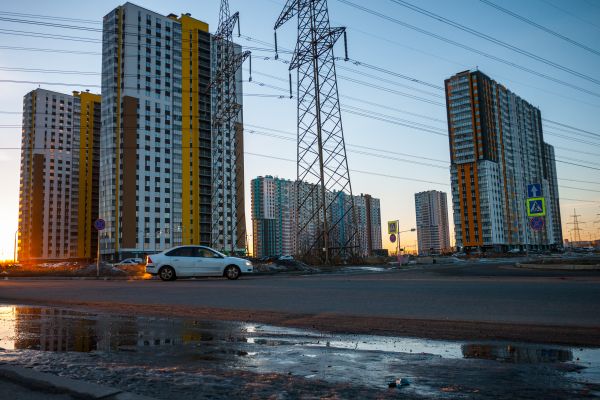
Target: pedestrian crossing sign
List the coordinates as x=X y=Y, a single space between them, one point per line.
x=392 y=227
x=536 y=207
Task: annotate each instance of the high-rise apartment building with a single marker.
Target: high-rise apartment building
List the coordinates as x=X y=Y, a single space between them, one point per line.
x=156 y=141
x=275 y=222
x=433 y=232
x=368 y=215
x=58 y=198
x=497 y=149
x=273 y=216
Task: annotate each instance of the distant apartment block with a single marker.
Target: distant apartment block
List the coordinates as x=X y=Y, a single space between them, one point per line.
x=497 y=148
x=58 y=199
x=157 y=160
x=274 y=218
x=433 y=232
x=368 y=213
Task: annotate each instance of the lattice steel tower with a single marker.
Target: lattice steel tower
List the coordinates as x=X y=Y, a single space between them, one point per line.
x=576 y=229
x=228 y=231
x=326 y=225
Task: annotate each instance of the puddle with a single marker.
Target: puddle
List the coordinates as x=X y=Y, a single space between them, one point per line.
x=180 y=358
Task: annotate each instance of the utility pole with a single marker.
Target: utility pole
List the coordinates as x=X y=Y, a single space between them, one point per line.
x=326 y=217
x=224 y=227
x=576 y=230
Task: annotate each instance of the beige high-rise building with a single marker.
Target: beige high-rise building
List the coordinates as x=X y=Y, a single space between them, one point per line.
x=58 y=197
x=433 y=232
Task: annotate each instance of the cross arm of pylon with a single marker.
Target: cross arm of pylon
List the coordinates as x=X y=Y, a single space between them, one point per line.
x=225 y=30
x=230 y=68
x=325 y=40
x=289 y=10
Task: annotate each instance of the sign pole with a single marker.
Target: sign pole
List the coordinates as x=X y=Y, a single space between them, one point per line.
x=99 y=224
x=398 y=244
x=98 y=258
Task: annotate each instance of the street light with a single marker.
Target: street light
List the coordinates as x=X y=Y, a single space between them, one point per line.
x=399 y=232
x=15 y=249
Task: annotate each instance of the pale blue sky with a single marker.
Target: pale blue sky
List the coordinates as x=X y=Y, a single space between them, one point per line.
x=371 y=40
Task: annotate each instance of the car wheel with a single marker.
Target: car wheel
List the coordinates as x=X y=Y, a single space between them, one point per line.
x=167 y=274
x=232 y=272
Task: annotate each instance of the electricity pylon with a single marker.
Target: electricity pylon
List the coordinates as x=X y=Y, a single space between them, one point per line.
x=326 y=218
x=227 y=225
x=576 y=229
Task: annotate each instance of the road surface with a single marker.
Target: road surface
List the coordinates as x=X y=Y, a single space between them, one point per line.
x=493 y=294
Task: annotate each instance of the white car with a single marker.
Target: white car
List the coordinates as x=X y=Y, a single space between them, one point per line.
x=188 y=261
x=286 y=258
x=131 y=261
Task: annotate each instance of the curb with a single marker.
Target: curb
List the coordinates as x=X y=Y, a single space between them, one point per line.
x=58 y=384
x=561 y=267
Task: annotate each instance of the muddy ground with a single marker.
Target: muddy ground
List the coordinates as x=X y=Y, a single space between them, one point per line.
x=190 y=358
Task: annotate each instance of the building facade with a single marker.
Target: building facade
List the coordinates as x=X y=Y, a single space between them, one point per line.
x=58 y=199
x=273 y=216
x=275 y=222
x=156 y=161
x=433 y=231
x=368 y=215
x=497 y=149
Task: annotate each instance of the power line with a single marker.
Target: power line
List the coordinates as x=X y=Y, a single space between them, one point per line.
x=541 y=27
x=571 y=127
x=494 y=40
x=576 y=188
x=292 y=138
x=356 y=62
x=396 y=43
x=355 y=145
x=285 y=159
x=570 y=13
x=39 y=16
x=577 y=151
x=571 y=138
x=580 y=181
x=62 y=51
x=463 y=46
x=49 y=36
x=351 y=110
x=585 y=201
x=353 y=170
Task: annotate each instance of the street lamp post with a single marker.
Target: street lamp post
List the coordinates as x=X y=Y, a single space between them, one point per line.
x=399 y=245
x=15 y=249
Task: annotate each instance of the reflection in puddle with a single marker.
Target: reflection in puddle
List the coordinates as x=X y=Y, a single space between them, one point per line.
x=140 y=353
x=516 y=354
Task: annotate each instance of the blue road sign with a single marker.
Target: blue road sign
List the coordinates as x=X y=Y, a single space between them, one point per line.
x=534 y=190
x=99 y=224
x=537 y=223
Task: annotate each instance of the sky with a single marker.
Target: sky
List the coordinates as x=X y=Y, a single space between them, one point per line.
x=382 y=170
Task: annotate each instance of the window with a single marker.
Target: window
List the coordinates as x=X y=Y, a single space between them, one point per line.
x=206 y=253
x=183 y=252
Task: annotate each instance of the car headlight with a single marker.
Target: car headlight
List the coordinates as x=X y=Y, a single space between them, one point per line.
x=248 y=264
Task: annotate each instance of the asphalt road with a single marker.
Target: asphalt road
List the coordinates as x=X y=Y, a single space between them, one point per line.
x=491 y=293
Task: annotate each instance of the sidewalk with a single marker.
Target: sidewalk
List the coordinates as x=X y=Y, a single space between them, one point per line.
x=19 y=383
x=11 y=390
